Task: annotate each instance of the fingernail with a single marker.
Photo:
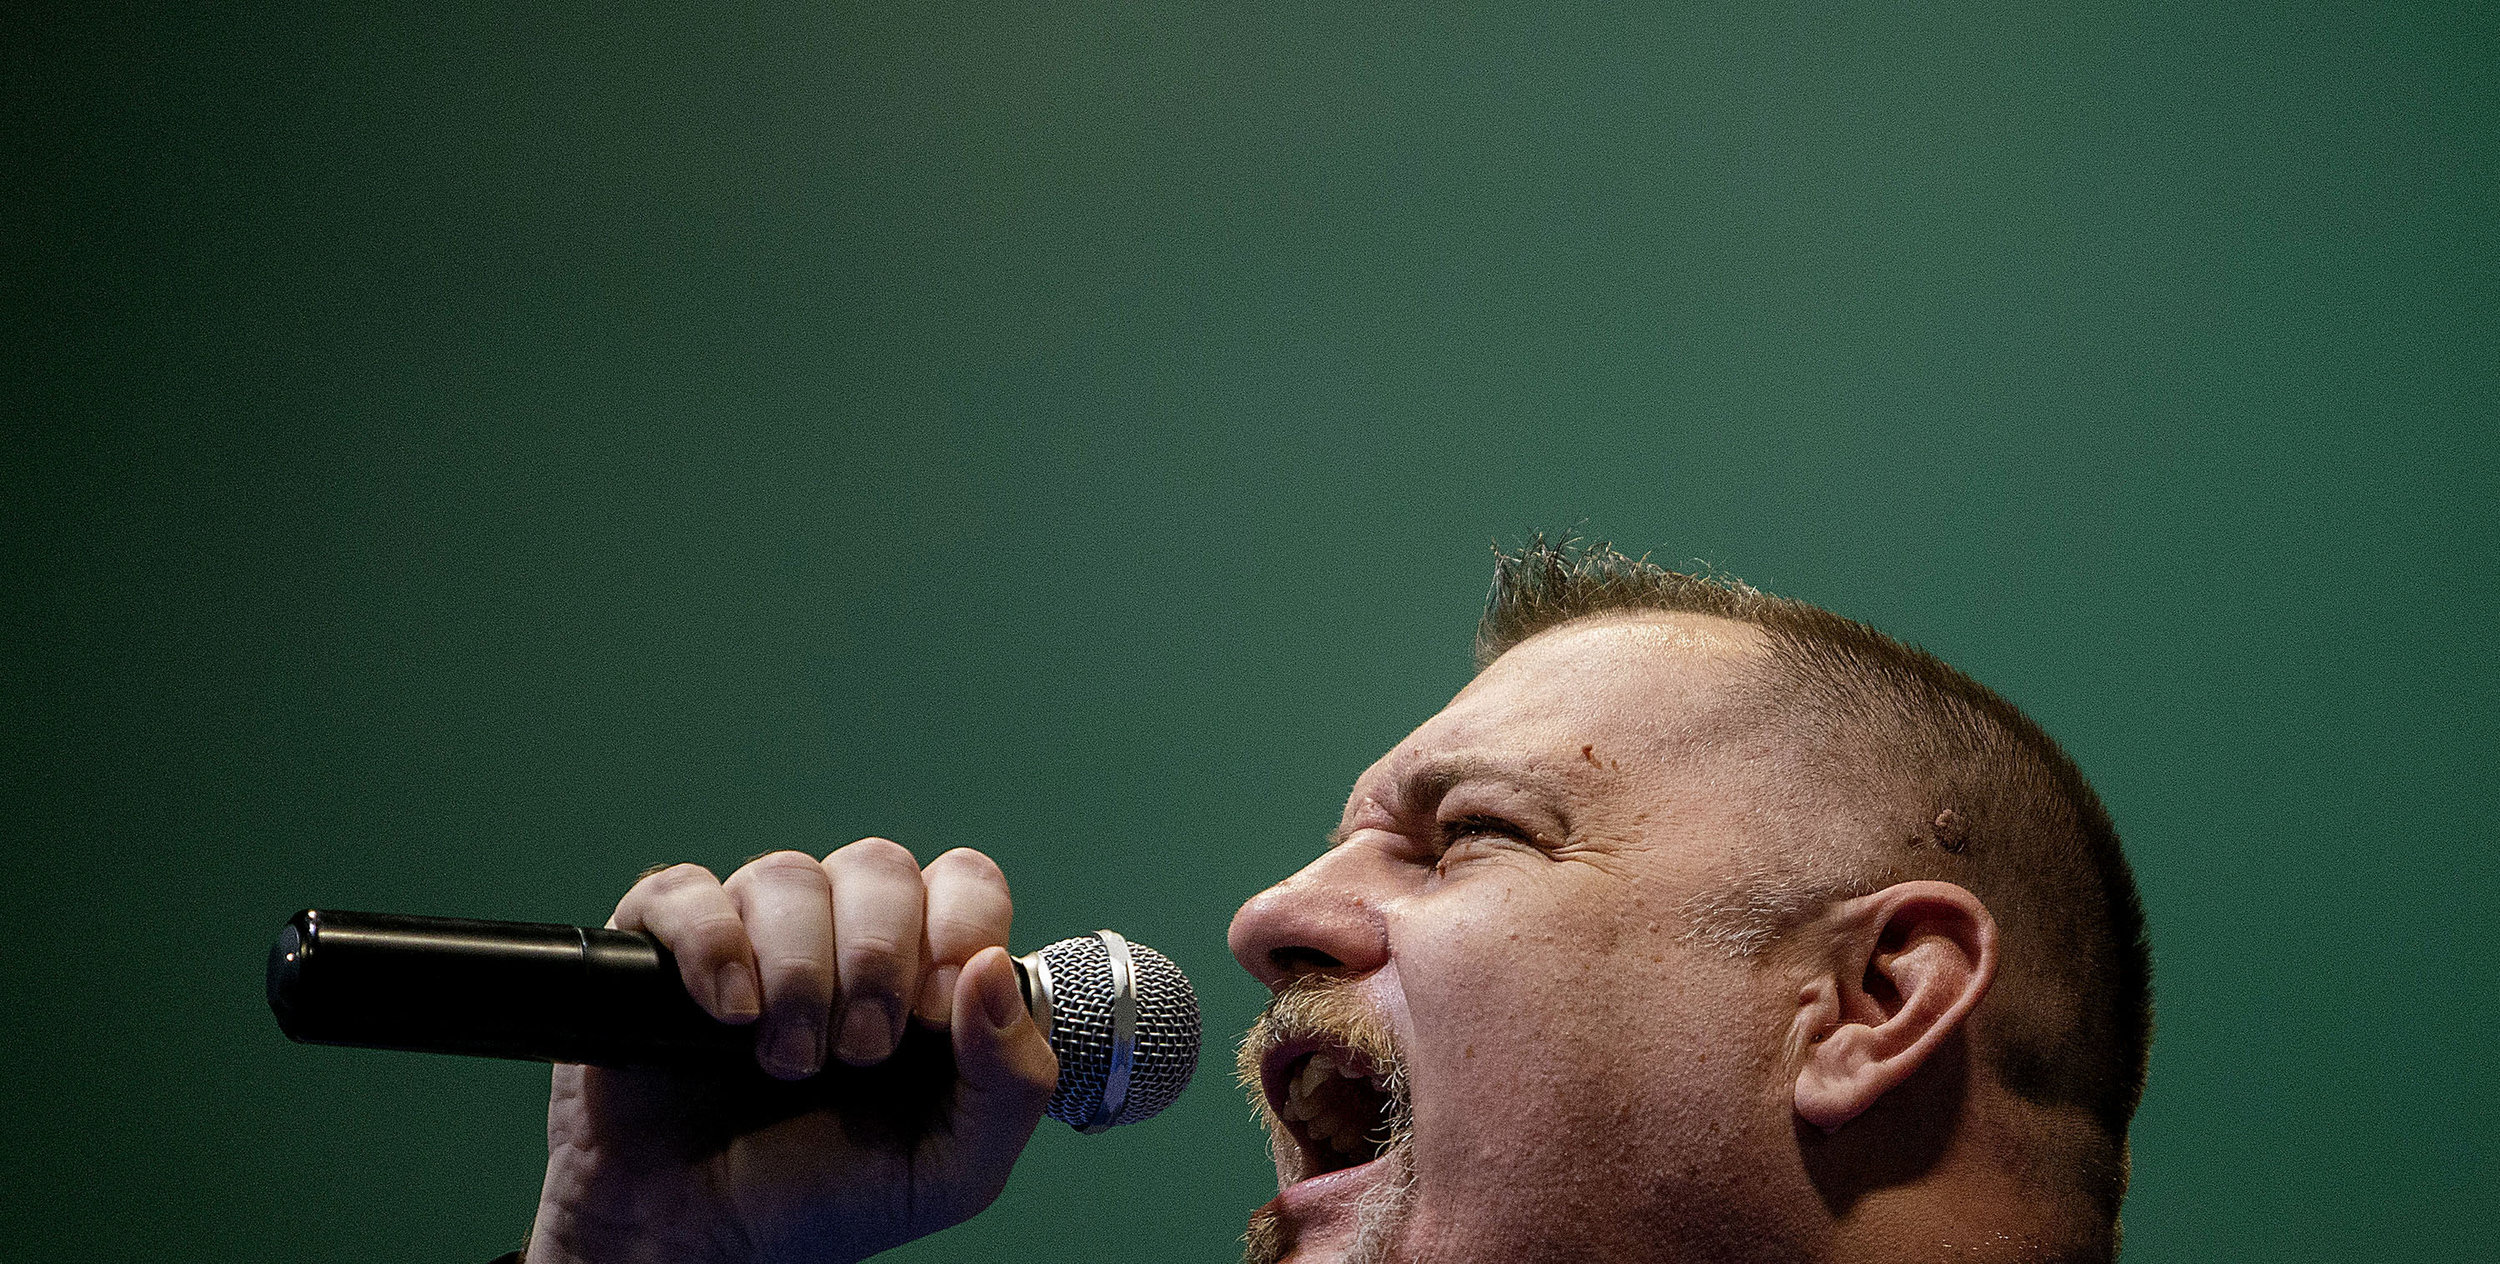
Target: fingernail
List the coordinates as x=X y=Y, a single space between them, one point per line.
x=867 y=1032
x=799 y=1049
x=733 y=989
x=1002 y=1001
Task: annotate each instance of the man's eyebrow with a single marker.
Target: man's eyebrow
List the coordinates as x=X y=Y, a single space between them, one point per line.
x=1434 y=780
x=1440 y=776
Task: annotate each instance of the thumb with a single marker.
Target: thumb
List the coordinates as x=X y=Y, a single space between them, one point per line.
x=1006 y=1068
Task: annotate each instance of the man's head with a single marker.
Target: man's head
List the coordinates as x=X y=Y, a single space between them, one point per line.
x=1701 y=924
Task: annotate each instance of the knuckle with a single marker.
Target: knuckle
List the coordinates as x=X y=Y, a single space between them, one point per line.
x=957 y=938
x=777 y=866
x=798 y=976
x=875 y=853
x=964 y=863
x=872 y=951
x=676 y=878
x=874 y=965
x=715 y=935
x=669 y=897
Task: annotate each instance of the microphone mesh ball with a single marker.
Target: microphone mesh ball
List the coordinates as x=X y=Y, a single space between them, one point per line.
x=1082 y=1027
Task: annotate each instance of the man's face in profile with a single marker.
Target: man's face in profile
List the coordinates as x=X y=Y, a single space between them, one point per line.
x=1503 y=915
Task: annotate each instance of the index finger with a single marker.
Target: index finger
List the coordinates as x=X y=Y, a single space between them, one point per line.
x=969 y=910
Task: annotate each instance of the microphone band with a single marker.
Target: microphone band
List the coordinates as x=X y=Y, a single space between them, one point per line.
x=1123 y=1032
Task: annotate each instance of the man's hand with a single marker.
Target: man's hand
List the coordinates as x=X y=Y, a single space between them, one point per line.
x=831 y=960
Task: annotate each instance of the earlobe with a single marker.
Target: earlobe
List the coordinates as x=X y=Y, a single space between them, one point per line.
x=1909 y=964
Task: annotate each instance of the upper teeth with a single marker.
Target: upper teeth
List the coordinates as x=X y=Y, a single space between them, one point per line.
x=1321 y=1097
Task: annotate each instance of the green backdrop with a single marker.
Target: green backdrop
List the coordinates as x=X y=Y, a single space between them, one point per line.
x=458 y=455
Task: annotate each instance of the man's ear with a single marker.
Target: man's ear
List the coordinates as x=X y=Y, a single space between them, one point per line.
x=1906 y=966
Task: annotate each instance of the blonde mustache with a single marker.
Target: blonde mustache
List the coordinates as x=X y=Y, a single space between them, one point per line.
x=1325 y=1008
x=1322 y=1007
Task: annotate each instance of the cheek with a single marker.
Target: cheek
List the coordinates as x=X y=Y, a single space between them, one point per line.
x=1561 y=1034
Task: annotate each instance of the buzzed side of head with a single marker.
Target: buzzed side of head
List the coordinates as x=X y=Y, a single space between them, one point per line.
x=1898 y=766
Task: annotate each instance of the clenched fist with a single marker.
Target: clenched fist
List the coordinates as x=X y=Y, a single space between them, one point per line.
x=863 y=957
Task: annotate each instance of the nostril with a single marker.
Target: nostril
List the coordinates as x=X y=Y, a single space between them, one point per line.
x=1300 y=960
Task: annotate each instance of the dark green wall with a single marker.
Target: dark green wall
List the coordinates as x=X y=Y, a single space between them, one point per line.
x=457 y=456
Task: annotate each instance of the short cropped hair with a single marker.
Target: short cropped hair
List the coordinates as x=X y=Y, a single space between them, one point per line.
x=1936 y=776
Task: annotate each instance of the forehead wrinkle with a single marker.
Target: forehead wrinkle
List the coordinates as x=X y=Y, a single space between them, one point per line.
x=1656 y=640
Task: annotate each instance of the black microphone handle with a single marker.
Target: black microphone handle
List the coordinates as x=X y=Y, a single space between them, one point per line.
x=525 y=990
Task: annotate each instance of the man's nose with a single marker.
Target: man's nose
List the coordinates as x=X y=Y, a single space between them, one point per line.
x=1323 y=920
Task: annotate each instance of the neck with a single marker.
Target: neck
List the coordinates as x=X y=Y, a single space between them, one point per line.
x=1975 y=1220
x=1942 y=1168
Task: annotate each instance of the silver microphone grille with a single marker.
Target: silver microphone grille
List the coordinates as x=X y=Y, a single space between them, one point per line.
x=1124 y=1022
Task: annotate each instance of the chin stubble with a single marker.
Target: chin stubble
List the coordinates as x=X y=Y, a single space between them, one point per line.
x=1327 y=1009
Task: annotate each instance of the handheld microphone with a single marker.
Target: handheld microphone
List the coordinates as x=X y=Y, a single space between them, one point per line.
x=1120 y=1016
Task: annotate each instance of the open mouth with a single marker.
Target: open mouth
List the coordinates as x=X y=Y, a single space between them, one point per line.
x=1336 y=1105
